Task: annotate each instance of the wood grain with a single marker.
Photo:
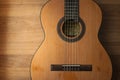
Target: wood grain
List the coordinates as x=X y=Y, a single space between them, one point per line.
x=20 y=35
x=87 y=50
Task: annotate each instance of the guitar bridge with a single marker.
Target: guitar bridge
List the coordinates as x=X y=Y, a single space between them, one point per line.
x=71 y=67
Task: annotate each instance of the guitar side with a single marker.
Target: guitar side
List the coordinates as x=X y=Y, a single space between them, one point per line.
x=54 y=50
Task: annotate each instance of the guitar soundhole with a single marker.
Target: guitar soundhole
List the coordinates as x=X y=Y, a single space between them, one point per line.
x=71 y=30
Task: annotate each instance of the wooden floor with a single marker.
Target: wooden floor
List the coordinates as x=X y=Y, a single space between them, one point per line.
x=21 y=35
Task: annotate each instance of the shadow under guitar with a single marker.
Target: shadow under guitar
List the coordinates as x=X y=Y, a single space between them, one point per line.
x=109 y=35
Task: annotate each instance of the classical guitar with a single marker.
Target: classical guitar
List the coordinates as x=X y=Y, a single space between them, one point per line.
x=71 y=49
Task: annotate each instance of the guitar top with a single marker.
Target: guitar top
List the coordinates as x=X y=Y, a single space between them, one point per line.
x=71 y=49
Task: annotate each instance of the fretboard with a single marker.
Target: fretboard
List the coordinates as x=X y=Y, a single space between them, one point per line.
x=71 y=9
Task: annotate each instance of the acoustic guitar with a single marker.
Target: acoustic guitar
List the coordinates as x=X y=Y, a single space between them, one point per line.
x=71 y=49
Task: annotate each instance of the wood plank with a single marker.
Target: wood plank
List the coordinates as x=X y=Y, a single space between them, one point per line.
x=115 y=61
x=15 y=61
x=14 y=73
x=108 y=1
x=116 y=66
x=19 y=10
x=21 y=34
x=43 y=1
x=116 y=76
x=113 y=50
x=16 y=35
x=23 y=1
x=110 y=29
x=110 y=37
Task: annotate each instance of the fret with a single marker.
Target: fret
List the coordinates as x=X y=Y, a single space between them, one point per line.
x=75 y=18
x=71 y=0
x=71 y=6
x=71 y=13
x=71 y=9
x=67 y=3
x=72 y=16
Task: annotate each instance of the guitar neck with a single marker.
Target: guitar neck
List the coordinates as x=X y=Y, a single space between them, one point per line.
x=71 y=9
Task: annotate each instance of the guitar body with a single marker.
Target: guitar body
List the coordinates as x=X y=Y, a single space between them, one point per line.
x=86 y=51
